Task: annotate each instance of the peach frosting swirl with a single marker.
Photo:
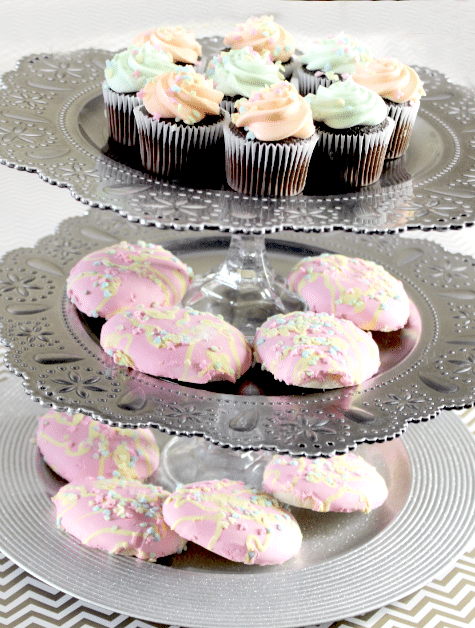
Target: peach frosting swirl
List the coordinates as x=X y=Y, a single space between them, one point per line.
x=180 y=43
x=185 y=95
x=261 y=34
x=390 y=79
x=275 y=113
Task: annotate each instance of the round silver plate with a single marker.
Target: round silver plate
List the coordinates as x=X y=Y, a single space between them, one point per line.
x=349 y=563
x=426 y=367
x=52 y=122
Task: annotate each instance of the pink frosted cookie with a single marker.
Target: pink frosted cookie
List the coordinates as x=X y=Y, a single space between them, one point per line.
x=118 y=516
x=340 y=484
x=123 y=275
x=352 y=288
x=234 y=521
x=179 y=343
x=75 y=446
x=315 y=350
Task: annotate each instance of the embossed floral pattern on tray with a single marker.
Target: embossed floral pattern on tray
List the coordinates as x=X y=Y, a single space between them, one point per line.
x=57 y=353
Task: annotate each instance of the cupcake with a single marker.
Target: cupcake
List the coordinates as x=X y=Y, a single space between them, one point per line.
x=237 y=73
x=125 y=74
x=179 y=119
x=355 y=130
x=180 y=43
x=401 y=88
x=329 y=59
x=263 y=34
x=269 y=142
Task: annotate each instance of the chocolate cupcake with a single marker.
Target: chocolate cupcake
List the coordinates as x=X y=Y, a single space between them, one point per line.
x=125 y=74
x=329 y=59
x=355 y=130
x=179 y=119
x=238 y=73
x=269 y=142
x=401 y=88
x=263 y=34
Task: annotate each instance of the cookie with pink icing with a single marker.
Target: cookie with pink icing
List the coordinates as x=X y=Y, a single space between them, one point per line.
x=352 y=288
x=315 y=350
x=117 y=516
x=239 y=523
x=75 y=446
x=125 y=274
x=344 y=483
x=179 y=343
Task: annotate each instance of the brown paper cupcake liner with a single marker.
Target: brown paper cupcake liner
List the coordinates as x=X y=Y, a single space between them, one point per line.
x=120 y=117
x=405 y=117
x=257 y=168
x=170 y=149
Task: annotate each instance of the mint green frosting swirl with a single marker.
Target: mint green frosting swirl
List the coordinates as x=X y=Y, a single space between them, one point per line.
x=129 y=70
x=345 y=104
x=243 y=71
x=338 y=54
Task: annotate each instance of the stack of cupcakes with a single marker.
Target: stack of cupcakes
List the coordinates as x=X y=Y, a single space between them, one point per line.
x=363 y=109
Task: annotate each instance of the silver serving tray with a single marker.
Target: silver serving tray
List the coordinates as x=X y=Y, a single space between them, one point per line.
x=349 y=564
x=52 y=122
x=426 y=367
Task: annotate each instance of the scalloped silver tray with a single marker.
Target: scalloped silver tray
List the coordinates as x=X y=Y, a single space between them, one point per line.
x=349 y=563
x=52 y=123
x=428 y=366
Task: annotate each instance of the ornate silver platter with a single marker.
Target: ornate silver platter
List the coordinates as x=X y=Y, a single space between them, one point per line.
x=426 y=367
x=52 y=123
x=349 y=563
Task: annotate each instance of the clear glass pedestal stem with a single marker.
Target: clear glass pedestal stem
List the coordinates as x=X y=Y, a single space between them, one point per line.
x=244 y=289
x=184 y=460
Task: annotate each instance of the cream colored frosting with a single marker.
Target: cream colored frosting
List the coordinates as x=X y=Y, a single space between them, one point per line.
x=179 y=42
x=345 y=104
x=391 y=79
x=275 y=113
x=262 y=33
x=129 y=70
x=185 y=95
